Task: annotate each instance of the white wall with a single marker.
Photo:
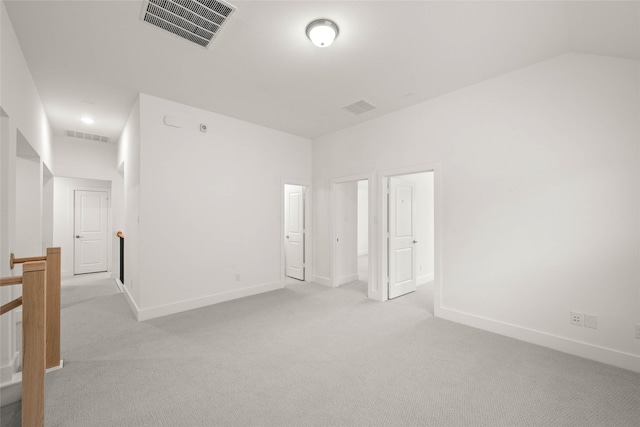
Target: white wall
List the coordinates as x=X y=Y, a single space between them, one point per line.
x=19 y=97
x=539 y=199
x=129 y=162
x=363 y=217
x=28 y=208
x=347 y=232
x=47 y=209
x=210 y=206
x=93 y=161
x=24 y=115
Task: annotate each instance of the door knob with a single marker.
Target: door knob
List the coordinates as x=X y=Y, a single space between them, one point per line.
x=415 y=241
x=287 y=236
x=78 y=236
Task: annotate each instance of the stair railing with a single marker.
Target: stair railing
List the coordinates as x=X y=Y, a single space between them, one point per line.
x=53 y=301
x=34 y=329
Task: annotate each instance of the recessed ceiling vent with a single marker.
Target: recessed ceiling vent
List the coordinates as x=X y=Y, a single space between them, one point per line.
x=87 y=136
x=198 y=21
x=359 y=107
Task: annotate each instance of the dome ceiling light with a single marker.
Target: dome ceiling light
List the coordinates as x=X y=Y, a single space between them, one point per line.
x=322 y=32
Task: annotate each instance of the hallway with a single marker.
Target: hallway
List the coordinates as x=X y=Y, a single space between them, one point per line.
x=314 y=356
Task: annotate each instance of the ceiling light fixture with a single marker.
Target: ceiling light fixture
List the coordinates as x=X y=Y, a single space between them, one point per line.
x=87 y=120
x=322 y=32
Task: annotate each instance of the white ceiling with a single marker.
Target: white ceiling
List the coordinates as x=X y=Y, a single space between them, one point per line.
x=93 y=57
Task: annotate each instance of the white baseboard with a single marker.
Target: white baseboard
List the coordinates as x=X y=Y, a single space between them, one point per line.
x=132 y=304
x=55 y=368
x=7 y=371
x=424 y=279
x=119 y=283
x=347 y=279
x=11 y=391
x=191 y=304
x=565 y=345
x=325 y=281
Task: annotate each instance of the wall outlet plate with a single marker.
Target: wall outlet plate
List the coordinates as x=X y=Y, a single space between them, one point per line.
x=638 y=331
x=590 y=321
x=577 y=318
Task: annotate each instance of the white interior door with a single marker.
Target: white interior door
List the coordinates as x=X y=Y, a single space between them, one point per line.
x=294 y=231
x=90 y=231
x=402 y=243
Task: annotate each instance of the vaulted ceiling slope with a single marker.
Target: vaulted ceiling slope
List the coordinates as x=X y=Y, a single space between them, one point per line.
x=93 y=57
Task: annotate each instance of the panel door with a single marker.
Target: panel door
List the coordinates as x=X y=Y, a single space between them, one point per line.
x=402 y=243
x=294 y=231
x=90 y=231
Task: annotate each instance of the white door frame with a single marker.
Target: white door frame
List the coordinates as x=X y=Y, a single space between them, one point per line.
x=383 y=177
x=308 y=227
x=72 y=190
x=372 y=288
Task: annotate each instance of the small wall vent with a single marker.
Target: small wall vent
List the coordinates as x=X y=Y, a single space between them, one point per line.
x=359 y=107
x=198 y=21
x=86 y=135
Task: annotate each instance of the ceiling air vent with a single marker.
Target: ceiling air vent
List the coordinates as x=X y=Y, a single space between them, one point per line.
x=198 y=21
x=86 y=135
x=359 y=107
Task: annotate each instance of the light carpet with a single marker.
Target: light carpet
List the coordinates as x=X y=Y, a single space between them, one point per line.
x=308 y=355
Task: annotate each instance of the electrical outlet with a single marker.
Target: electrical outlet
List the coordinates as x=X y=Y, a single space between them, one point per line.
x=638 y=331
x=577 y=318
x=590 y=321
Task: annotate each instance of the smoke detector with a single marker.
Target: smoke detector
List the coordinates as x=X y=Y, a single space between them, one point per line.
x=198 y=21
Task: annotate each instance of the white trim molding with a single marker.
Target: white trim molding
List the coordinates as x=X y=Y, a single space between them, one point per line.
x=423 y=280
x=191 y=304
x=555 y=342
x=347 y=279
x=325 y=281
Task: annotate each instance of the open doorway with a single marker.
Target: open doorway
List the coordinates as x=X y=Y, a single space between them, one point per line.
x=351 y=228
x=363 y=230
x=82 y=223
x=296 y=233
x=410 y=235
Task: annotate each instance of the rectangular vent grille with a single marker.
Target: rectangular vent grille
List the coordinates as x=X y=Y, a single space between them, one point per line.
x=359 y=107
x=86 y=135
x=198 y=21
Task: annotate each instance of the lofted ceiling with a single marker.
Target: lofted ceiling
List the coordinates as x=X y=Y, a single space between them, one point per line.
x=93 y=57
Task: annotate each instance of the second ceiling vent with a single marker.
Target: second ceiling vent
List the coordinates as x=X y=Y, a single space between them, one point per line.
x=359 y=107
x=198 y=21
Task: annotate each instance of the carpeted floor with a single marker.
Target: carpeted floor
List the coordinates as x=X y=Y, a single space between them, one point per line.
x=309 y=355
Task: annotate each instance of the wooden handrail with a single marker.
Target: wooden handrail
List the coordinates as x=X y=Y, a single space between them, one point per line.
x=120 y=234
x=13 y=260
x=11 y=305
x=8 y=281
